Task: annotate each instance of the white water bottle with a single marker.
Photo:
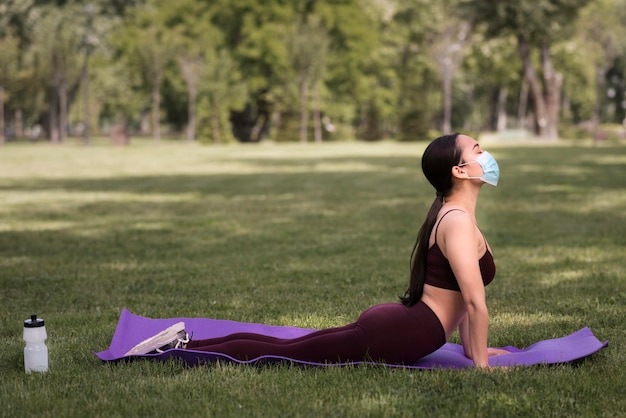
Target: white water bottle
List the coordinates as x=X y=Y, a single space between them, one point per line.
x=35 y=352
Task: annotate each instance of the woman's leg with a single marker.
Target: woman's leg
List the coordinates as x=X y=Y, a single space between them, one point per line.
x=390 y=333
x=399 y=334
x=328 y=345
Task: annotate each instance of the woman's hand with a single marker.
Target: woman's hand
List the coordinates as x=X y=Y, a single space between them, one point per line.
x=496 y=351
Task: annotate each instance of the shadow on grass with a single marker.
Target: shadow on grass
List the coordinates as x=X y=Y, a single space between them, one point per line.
x=312 y=224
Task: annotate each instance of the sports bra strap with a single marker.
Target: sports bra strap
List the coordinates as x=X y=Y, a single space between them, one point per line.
x=442 y=216
x=440 y=219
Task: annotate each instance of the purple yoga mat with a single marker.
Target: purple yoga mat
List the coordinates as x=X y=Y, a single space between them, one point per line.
x=132 y=329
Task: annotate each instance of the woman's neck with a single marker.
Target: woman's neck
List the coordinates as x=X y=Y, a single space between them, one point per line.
x=463 y=199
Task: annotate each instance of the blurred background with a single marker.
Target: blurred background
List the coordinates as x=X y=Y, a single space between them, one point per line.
x=219 y=71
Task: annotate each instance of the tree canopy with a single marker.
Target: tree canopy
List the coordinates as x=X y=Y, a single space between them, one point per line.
x=224 y=70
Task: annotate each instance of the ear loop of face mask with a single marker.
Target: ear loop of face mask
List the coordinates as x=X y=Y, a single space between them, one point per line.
x=491 y=170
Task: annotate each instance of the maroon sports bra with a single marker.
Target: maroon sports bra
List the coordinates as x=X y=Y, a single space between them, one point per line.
x=438 y=270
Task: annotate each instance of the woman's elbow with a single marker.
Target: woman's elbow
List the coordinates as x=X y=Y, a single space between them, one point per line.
x=476 y=307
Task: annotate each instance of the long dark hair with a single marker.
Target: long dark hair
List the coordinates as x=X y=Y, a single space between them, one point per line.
x=439 y=157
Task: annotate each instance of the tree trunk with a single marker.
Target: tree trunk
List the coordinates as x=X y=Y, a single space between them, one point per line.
x=215 y=124
x=156 y=106
x=54 y=118
x=501 y=121
x=541 y=116
x=447 y=101
x=523 y=103
x=552 y=80
x=144 y=124
x=62 y=111
x=304 y=117
x=449 y=55
x=190 y=67
x=87 y=115
x=19 y=124
x=2 y=137
x=261 y=128
x=191 y=122
x=317 y=119
x=595 y=119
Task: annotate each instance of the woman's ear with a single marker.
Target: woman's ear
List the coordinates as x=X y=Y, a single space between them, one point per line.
x=458 y=172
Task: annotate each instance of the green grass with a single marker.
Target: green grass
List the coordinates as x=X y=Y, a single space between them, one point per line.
x=306 y=236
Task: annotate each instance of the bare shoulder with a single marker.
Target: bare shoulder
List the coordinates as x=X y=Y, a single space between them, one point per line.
x=454 y=217
x=455 y=225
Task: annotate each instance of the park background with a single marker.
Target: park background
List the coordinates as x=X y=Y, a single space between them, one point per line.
x=247 y=71
x=236 y=217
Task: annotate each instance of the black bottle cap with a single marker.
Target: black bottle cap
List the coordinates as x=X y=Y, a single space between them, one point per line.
x=33 y=322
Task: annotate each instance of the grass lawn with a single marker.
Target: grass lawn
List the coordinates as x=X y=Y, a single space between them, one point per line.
x=306 y=236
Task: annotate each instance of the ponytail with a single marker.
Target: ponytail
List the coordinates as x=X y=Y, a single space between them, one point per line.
x=418 y=256
x=439 y=157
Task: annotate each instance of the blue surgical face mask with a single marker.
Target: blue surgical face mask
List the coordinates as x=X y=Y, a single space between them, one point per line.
x=491 y=171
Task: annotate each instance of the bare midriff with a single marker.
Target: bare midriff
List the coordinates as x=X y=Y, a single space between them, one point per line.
x=448 y=305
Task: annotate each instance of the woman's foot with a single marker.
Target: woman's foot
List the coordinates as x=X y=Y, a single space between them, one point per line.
x=171 y=337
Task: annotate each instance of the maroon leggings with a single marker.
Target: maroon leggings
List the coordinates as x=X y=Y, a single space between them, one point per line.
x=389 y=333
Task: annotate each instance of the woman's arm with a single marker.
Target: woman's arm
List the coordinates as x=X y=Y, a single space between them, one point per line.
x=478 y=319
x=465 y=339
x=461 y=249
x=465 y=342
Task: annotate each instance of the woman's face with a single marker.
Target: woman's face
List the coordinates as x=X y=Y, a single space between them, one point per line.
x=470 y=150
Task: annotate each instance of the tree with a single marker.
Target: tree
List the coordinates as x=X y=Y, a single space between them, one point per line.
x=223 y=90
x=57 y=41
x=116 y=95
x=254 y=35
x=15 y=34
x=448 y=49
x=353 y=69
x=308 y=48
x=88 y=44
x=195 y=41
x=374 y=68
x=148 y=46
x=8 y=70
x=407 y=34
x=602 y=33
x=535 y=24
x=492 y=71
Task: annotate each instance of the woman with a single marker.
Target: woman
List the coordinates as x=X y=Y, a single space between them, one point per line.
x=451 y=265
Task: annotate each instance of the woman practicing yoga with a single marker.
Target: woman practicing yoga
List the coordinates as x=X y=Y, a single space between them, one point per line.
x=451 y=265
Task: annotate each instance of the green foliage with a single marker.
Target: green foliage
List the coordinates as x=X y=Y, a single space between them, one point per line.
x=16 y=19
x=492 y=64
x=602 y=25
x=147 y=43
x=420 y=28
x=223 y=90
x=572 y=132
x=612 y=132
x=254 y=34
x=536 y=25
x=413 y=126
x=579 y=83
x=58 y=44
x=601 y=33
x=539 y=20
x=9 y=50
x=287 y=128
x=354 y=34
x=375 y=63
x=116 y=92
